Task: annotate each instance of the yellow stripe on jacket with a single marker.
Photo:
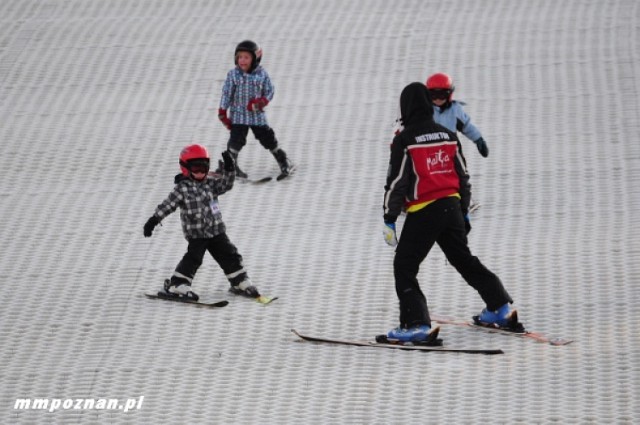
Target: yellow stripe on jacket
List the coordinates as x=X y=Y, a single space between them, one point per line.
x=421 y=205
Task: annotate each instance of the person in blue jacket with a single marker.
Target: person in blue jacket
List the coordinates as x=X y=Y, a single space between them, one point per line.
x=246 y=92
x=449 y=112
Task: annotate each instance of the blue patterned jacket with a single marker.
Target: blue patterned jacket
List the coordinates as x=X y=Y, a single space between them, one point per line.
x=239 y=88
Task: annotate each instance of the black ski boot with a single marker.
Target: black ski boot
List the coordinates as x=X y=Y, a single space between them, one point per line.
x=286 y=166
x=179 y=290
x=239 y=173
x=246 y=289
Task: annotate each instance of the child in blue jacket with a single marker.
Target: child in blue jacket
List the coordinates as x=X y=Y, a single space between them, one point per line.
x=247 y=90
x=449 y=113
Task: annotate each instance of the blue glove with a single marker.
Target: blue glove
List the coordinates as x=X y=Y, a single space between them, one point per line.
x=389 y=233
x=467 y=224
x=482 y=147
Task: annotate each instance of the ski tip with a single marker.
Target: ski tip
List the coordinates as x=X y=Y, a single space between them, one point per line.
x=263 y=299
x=300 y=335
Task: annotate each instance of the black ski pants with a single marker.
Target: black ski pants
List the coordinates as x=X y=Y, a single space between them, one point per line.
x=223 y=252
x=441 y=222
x=238 y=137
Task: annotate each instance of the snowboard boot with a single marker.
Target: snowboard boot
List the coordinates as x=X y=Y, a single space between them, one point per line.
x=246 y=289
x=503 y=318
x=181 y=290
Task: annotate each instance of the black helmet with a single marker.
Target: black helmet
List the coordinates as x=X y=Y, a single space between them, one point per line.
x=251 y=47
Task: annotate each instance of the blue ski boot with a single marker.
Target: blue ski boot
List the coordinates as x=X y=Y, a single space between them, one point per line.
x=502 y=318
x=421 y=334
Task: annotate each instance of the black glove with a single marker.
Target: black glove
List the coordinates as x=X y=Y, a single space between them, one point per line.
x=229 y=161
x=482 y=147
x=467 y=224
x=150 y=225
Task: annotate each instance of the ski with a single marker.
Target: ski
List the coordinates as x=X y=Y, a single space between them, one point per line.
x=264 y=300
x=248 y=180
x=396 y=346
x=260 y=299
x=163 y=296
x=536 y=336
x=267 y=179
x=288 y=174
x=262 y=180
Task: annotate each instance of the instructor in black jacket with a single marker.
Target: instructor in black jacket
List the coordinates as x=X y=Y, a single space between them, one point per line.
x=427 y=176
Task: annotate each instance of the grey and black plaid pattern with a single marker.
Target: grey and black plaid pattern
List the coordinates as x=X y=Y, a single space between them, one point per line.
x=198 y=203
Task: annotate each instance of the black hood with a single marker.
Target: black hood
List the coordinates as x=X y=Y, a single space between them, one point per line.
x=415 y=104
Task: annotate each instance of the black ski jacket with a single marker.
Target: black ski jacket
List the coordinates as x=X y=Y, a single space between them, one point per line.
x=426 y=162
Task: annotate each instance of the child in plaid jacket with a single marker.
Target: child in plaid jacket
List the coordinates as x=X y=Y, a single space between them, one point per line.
x=196 y=195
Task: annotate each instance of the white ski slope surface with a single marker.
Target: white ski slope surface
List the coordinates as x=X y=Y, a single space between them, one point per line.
x=98 y=97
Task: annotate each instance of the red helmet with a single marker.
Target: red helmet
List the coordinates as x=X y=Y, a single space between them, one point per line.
x=439 y=85
x=193 y=155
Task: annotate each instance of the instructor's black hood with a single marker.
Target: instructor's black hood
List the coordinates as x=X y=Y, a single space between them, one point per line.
x=415 y=104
